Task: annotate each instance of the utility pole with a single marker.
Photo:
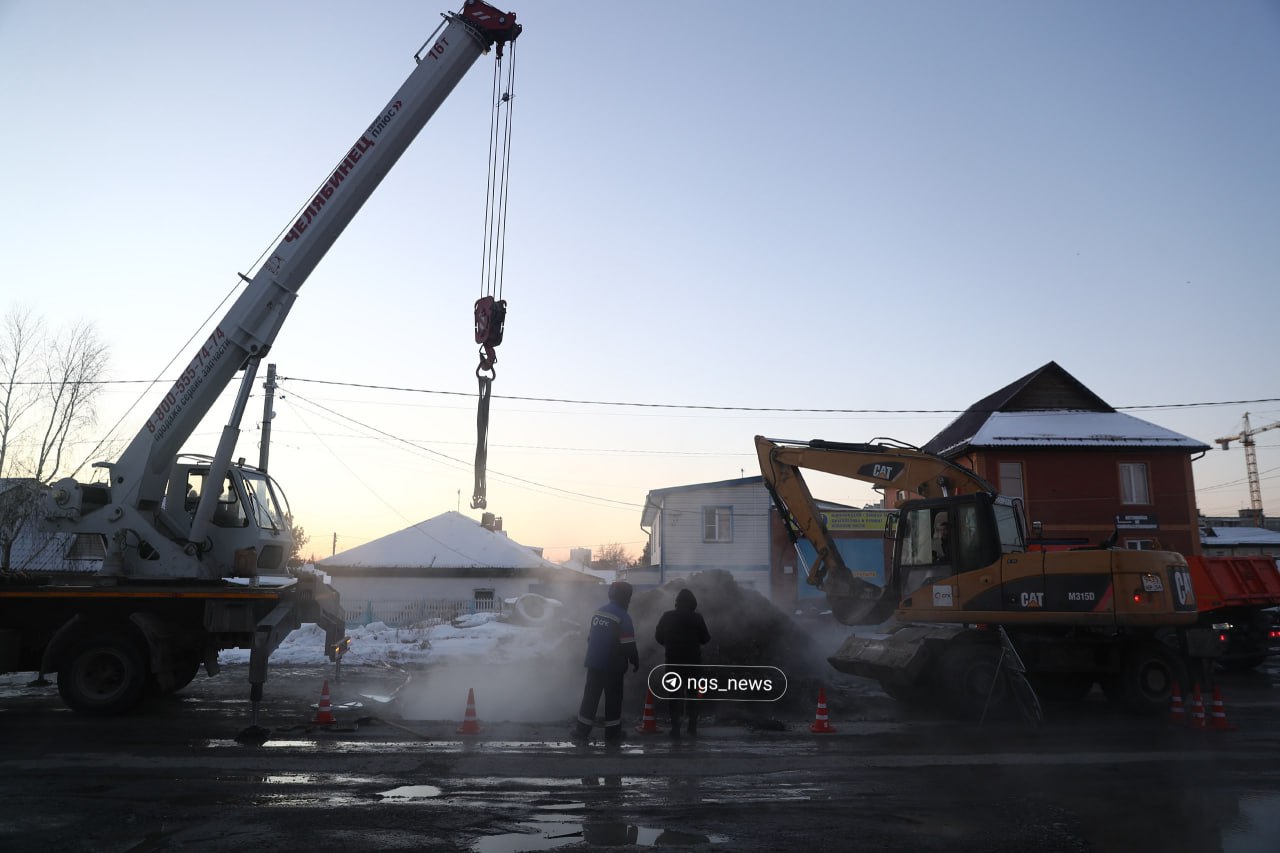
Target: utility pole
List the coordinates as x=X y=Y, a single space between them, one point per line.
x=335 y=544
x=1245 y=437
x=264 y=447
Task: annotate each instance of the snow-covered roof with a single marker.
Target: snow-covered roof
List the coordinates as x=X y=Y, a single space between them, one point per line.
x=448 y=541
x=1074 y=428
x=1050 y=408
x=605 y=575
x=1228 y=536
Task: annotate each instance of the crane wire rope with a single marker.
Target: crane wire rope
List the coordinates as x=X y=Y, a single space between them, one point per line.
x=491 y=307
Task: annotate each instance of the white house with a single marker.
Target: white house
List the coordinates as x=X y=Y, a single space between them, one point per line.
x=720 y=525
x=449 y=557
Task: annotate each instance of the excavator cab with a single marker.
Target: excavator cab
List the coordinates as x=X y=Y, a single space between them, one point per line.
x=949 y=539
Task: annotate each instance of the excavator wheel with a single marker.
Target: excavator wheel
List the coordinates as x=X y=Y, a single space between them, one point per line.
x=1063 y=687
x=914 y=695
x=103 y=673
x=973 y=682
x=1144 y=684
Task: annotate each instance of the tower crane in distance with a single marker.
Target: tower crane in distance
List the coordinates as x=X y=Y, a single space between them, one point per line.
x=1245 y=437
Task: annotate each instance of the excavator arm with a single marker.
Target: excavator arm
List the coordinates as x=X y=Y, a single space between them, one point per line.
x=883 y=465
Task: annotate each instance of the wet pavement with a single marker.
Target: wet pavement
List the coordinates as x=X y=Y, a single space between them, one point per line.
x=175 y=777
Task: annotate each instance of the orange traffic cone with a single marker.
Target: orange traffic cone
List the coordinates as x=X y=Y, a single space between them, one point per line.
x=324 y=712
x=820 y=723
x=1177 y=713
x=1197 y=707
x=1218 y=714
x=470 y=725
x=648 y=725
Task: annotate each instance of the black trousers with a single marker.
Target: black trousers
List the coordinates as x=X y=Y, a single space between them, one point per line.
x=610 y=684
x=679 y=704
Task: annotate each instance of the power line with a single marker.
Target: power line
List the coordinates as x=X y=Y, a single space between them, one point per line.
x=693 y=406
x=446 y=459
x=706 y=407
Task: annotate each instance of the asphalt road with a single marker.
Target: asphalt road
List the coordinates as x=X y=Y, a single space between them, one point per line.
x=174 y=777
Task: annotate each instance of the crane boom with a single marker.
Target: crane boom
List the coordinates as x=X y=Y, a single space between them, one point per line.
x=253 y=321
x=145 y=476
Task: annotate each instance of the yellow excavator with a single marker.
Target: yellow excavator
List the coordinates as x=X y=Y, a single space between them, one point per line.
x=962 y=591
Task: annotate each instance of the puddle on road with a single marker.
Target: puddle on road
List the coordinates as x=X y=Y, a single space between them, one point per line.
x=1257 y=828
x=411 y=793
x=549 y=833
x=559 y=823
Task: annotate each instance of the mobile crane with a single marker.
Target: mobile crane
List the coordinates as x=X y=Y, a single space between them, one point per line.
x=961 y=576
x=195 y=546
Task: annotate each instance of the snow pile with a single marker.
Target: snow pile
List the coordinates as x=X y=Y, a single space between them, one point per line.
x=478 y=636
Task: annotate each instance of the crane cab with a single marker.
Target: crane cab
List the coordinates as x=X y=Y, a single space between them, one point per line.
x=249 y=530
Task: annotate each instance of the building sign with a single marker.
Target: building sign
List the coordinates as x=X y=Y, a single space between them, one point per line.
x=844 y=520
x=1137 y=522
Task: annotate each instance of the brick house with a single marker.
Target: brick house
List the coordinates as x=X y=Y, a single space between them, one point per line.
x=1084 y=471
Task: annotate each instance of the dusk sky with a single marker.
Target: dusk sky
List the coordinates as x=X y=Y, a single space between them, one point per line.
x=716 y=209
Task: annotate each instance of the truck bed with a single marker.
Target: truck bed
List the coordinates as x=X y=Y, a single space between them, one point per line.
x=1235 y=582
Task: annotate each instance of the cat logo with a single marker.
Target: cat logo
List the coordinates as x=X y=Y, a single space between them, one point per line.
x=1182 y=585
x=1033 y=599
x=886 y=471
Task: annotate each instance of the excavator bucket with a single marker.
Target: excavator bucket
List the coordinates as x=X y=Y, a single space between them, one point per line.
x=892 y=653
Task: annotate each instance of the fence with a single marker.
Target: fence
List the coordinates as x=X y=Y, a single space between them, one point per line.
x=404 y=614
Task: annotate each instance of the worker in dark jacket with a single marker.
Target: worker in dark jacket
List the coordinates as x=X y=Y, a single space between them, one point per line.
x=611 y=645
x=682 y=632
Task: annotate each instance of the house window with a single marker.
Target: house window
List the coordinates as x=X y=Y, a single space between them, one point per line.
x=1140 y=544
x=1011 y=480
x=484 y=600
x=1133 y=483
x=717 y=524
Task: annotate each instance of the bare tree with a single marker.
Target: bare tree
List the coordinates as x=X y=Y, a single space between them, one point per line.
x=19 y=339
x=49 y=385
x=611 y=556
x=73 y=381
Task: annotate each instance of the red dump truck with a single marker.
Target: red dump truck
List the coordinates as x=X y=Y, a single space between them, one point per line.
x=1239 y=596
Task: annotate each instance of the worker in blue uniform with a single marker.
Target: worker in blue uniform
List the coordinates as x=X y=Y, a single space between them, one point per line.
x=611 y=645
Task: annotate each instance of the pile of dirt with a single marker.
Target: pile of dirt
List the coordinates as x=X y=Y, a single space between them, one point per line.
x=746 y=629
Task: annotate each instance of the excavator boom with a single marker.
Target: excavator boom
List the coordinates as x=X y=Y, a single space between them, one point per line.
x=883 y=465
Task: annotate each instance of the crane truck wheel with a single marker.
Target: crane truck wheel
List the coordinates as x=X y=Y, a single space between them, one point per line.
x=102 y=673
x=1144 y=684
x=184 y=672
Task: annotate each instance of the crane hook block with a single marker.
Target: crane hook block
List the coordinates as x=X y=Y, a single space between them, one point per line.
x=491 y=318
